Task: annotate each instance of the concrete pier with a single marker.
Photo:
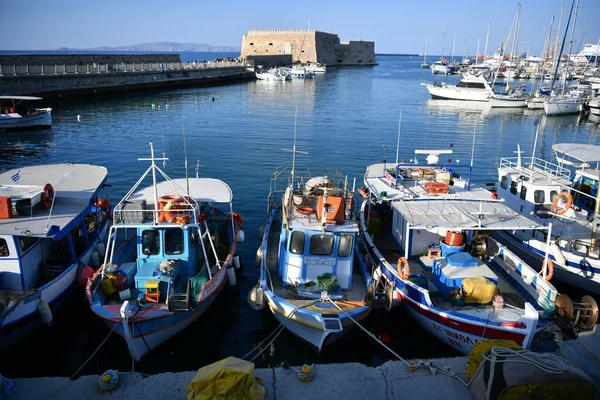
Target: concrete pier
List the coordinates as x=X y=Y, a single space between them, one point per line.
x=391 y=380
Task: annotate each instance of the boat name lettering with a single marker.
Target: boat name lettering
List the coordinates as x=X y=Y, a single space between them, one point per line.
x=320 y=260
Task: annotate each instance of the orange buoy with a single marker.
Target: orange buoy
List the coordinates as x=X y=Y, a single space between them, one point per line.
x=47 y=195
x=548 y=266
x=569 y=202
x=305 y=210
x=403 y=268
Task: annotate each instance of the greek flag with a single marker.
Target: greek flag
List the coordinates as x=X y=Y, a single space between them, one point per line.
x=15 y=178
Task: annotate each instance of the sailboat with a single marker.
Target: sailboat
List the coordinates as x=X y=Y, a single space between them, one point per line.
x=566 y=102
x=512 y=97
x=425 y=63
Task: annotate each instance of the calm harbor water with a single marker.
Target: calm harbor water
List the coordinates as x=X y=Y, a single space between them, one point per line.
x=347 y=118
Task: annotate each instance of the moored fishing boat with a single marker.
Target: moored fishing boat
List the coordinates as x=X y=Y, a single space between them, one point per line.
x=470 y=88
x=308 y=277
x=564 y=195
x=54 y=221
x=16 y=115
x=430 y=235
x=169 y=254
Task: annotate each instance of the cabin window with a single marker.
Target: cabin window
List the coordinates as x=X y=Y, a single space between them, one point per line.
x=173 y=241
x=321 y=245
x=150 y=244
x=25 y=242
x=523 y=194
x=504 y=182
x=513 y=187
x=553 y=194
x=345 y=249
x=3 y=248
x=297 y=242
x=539 y=197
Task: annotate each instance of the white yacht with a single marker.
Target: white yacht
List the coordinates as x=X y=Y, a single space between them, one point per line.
x=470 y=87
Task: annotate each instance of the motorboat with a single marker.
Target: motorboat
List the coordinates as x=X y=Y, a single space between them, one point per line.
x=470 y=88
x=430 y=235
x=273 y=75
x=513 y=98
x=317 y=68
x=15 y=114
x=594 y=105
x=562 y=194
x=301 y=71
x=169 y=255
x=54 y=221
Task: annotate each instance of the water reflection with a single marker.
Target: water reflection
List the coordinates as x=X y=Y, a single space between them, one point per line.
x=23 y=148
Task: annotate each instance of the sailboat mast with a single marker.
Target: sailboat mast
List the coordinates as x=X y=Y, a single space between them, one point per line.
x=477 y=55
x=570 y=46
x=425 y=52
x=562 y=45
x=487 y=39
x=453 y=41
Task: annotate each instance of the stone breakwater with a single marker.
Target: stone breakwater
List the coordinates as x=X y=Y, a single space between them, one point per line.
x=69 y=75
x=391 y=380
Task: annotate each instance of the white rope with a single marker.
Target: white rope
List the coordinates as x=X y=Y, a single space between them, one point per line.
x=95 y=351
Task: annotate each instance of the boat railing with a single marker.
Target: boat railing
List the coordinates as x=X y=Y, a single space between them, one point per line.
x=7 y=71
x=537 y=164
x=135 y=213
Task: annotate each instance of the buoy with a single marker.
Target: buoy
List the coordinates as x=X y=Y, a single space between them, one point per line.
x=45 y=311
x=85 y=274
x=240 y=236
x=108 y=380
x=261 y=232
x=256 y=298
x=231 y=275
x=78 y=118
x=259 y=254
x=559 y=257
x=95 y=259
x=306 y=373
x=236 y=260
x=100 y=249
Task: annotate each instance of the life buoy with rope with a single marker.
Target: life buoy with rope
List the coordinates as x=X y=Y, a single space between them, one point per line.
x=47 y=195
x=548 y=266
x=569 y=202
x=238 y=218
x=403 y=268
x=305 y=210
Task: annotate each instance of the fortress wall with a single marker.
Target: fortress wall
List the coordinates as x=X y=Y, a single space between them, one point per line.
x=306 y=46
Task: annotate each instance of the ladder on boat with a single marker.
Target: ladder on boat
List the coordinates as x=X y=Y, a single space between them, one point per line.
x=180 y=301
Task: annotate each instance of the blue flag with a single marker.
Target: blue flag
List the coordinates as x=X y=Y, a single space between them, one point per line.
x=15 y=178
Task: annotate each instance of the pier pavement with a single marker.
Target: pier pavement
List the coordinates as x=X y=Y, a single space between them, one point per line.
x=389 y=381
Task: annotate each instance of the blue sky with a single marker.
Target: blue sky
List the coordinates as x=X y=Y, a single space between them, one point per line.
x=396 y=26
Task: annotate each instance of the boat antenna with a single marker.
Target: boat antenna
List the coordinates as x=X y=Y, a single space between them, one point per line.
x=398 y=140
x=153 y=167
x=472 y=156
x=293 y=150
x=187 y=181
x=197 y=170
x=537 y=132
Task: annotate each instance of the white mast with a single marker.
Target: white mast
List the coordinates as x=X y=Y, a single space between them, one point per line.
x=487 y=39
x=398 y=140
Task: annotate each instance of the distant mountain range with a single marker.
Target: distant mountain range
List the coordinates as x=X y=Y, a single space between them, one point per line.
x=162 y=47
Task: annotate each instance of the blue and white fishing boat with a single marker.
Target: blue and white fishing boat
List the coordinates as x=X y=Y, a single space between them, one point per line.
x=169 y=254
x=429 y=234
x=563 y=195
x=308 y=275
x=54 y=222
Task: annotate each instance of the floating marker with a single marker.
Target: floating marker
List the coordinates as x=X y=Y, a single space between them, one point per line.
x=78 y=117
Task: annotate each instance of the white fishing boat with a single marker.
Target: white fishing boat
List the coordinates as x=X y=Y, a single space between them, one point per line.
x=54 y=221
x=316 y=68
x=430 y=235
x=273 y=75
x=308 y=276
x=564 y=195
x=470 y=88
x=15 y=114
x=300 y=71
x=169 y=255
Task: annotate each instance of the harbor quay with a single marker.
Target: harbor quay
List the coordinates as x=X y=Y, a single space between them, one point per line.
x=59 y=76
x=391 y=380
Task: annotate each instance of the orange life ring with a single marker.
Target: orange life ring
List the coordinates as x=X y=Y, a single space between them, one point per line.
x=171 y=197
x=305 y=210
x=364 y=192
x=548 y=265
x=238 y=217
x=403 y=268
x=568 y=204
x=47 y=195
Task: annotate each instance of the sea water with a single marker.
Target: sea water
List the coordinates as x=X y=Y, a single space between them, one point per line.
x=347 y=118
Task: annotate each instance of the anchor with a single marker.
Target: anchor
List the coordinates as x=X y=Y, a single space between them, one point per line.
x=570 y=314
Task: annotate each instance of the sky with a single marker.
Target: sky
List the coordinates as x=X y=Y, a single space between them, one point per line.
x=396 y=26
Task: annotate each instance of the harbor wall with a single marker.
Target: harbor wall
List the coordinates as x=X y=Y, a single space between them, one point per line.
x=86 y=58
x=130 y=72
x=307 y=46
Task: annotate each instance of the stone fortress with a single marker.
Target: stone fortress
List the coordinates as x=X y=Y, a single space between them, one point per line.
x=282 y=47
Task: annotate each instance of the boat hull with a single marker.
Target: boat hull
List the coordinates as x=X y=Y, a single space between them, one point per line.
x=15 y=122
x=562 y=107
x=452 y=93
x=499 y=102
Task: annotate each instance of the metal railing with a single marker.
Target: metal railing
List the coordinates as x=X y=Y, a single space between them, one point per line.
x=537 y=164
x=73 y=69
